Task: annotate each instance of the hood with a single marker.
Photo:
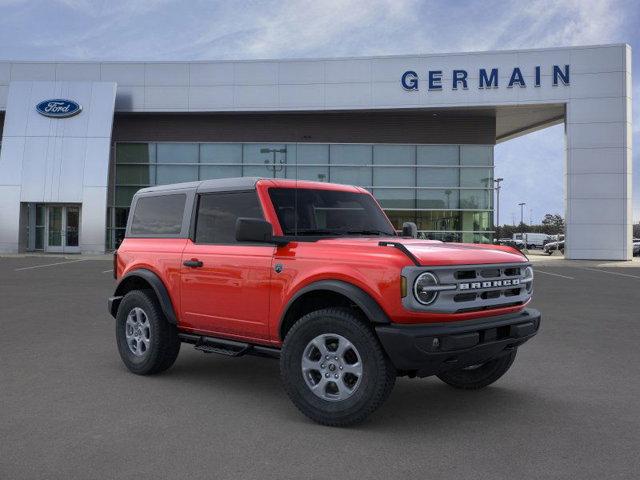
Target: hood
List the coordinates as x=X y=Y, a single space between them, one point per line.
x=441 y=253
x=435 y=253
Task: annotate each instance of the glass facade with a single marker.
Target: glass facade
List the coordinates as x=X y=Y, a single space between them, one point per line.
x=447 y=190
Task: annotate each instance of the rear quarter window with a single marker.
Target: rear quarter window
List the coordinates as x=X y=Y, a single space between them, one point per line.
x=158 y=215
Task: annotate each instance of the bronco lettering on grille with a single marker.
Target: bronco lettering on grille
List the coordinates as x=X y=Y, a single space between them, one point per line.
x=489 y=284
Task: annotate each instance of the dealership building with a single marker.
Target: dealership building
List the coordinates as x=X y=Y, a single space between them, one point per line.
x=80 y=138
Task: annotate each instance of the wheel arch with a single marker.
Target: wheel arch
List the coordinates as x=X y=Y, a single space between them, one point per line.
x=143 y=279
x=325 y=293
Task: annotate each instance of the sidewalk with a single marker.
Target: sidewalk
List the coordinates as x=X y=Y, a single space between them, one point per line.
x=558 y=260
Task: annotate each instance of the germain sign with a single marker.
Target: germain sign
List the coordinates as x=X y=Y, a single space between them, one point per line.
x=487 y=78
x=58 y=108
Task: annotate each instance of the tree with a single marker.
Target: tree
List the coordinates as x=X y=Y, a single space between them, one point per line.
x=553 y=220
x=552 y=224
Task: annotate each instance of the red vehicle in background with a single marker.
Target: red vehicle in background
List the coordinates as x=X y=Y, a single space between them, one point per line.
x=314 y=274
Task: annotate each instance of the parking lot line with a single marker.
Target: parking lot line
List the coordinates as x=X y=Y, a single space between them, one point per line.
x=108 y=271
x=48 y=265
x=554 y=274
x=611 y=273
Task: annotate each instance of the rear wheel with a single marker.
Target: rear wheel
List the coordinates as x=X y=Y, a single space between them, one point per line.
x=147 y=343
x=334 y=369
x=479 y=376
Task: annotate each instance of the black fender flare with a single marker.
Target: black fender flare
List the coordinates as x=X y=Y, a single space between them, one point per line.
x=362 y=299
x=156 y=284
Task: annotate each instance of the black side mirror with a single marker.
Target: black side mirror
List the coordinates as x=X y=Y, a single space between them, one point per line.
x=409 y=229
x=254 y=230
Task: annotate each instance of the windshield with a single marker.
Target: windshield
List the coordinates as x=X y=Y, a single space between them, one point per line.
x=328 y=212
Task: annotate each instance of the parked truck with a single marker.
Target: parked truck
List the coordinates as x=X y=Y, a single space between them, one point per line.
x=532 y=240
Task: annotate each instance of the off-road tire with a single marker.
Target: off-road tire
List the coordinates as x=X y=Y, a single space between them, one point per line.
x=479 y=377
x=378 y=377
x=164 y=344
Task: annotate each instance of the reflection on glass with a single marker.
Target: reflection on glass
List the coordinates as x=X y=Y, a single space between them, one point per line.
x=73 y=224
x=432 y=177
x=258 y=163
x=316 y=155
x=221 y=153
x=177 y=153
x=476 y=155
x=395 y=198
x=402 y=176
x=55 y=227
x=39 y=238
x=476 y=177
x=438 y=177
x=143 y=175
x=476 y=199
x=438 y=155
x=228 y=155
x=176 y=173
x=440 y=199
x=135 y=153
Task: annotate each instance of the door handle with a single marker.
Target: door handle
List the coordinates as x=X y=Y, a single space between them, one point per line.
x=193 y=263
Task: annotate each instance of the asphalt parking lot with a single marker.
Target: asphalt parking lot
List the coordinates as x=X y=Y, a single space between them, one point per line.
x=569 y=407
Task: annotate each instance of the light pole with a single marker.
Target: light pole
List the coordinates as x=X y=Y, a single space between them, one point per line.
x=275 y=167
x=497 y=181
x=522 y=213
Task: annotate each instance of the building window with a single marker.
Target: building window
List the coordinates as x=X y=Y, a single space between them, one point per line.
x=447 y=190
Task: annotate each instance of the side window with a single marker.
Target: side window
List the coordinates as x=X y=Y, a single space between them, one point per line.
x=158 y=215
x=218 y=212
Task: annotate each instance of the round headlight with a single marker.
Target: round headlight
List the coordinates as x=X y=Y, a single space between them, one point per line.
x=527 y=279
x=422 y=288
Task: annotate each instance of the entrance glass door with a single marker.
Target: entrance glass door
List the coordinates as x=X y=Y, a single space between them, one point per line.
x=72 y=227
x=62 y=229
x=54 y=237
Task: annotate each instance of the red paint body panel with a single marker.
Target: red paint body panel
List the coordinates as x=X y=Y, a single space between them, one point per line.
x=229 y=294
x=160 y=255
x=236 y=293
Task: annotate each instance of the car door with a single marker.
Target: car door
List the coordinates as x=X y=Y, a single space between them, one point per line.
x=224 y=283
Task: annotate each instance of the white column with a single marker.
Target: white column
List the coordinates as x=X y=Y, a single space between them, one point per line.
x=598 y=173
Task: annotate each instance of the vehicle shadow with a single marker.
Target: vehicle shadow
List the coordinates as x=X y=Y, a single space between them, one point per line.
x=413 y=404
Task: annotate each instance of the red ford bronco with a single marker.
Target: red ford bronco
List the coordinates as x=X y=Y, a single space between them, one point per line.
x=314 y=274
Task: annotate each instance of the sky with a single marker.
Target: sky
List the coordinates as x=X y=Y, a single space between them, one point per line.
x=532 y=165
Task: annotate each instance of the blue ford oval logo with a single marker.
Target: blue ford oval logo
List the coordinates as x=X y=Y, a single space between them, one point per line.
x=58 y=108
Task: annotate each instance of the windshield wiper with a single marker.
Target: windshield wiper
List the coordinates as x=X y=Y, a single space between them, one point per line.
x=326 y=231
x=319 y=231
x=369 y=232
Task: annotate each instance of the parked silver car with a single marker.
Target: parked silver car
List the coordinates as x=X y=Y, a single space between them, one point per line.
x=551 y=247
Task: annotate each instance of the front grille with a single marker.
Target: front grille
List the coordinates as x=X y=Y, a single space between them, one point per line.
x=469 y=288
x=465 y=297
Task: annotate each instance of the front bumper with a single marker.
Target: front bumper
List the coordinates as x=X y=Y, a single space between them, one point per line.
x=430 y=349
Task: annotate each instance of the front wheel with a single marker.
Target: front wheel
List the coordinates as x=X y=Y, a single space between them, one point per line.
x=479 y=376
x=334 y=369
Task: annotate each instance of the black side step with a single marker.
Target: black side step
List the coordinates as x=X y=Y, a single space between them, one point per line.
x=227 y=347
x=222 y=350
